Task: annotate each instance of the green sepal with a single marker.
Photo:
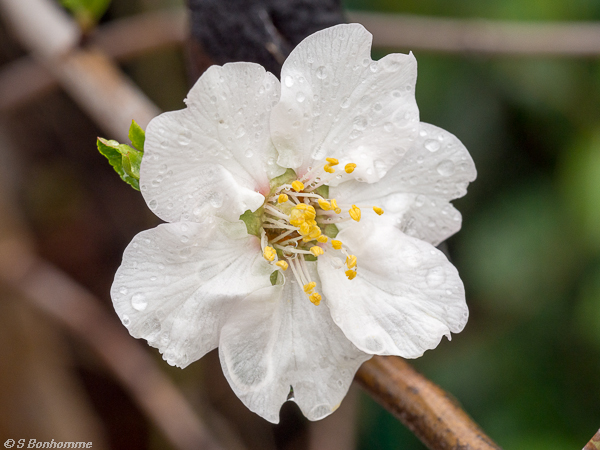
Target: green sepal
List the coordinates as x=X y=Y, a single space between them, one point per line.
x=310 y=258
x=137 y=136
x=285 y=178
x=274 y=277
x=323 y=191
x=253 y=221
x=124 y=159
x=330 y=230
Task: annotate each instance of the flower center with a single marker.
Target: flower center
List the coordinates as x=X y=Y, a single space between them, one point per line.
x=298 y=224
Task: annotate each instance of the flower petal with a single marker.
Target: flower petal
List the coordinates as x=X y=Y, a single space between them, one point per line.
x=212 y=157
x=178 y=281
x=405 y=297
x=415 y=193
x=337 y=102
x=276 y=339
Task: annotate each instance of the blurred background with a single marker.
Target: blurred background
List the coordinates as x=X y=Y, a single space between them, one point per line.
x=526 y=367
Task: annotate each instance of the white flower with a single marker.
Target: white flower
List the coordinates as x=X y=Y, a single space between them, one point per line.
x=201 y=281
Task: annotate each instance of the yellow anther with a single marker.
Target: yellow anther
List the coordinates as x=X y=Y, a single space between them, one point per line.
x=311 y=222
x=322 y=239
x=304 y=229
x=309 y=287
x=317 y=251
x=378 y=210
x=315 y=232
x=349 y=168
x=355 y=213
x=284 y=265
x=301 y=206
x=282 y=198
x=310 y=215
x=269 y=253
x=324 y=204
x=298 y=186
x=332 y=161
x=327 y=168
x=350 y=274
x=351 y=261
x=336 y=244
x=335 y=206
x=315 y=298
x=306 y=239
x=297 y=217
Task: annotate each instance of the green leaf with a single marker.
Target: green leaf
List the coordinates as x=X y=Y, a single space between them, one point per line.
x=253 y=221
x=86 y=12
x=137 y=136
x=124 y=159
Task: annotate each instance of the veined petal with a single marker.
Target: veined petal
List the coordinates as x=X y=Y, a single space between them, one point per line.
x=276 y=339
x=216 y=156
x=337 y=102
x=415 y=193
x=178 y=282
x=405 y=297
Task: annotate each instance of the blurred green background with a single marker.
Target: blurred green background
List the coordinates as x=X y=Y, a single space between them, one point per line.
x=527 y=366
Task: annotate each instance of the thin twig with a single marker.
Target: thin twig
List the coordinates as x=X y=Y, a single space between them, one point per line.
x=594 y=443
x=90 y=77
x=429 y=412
x=488 y=37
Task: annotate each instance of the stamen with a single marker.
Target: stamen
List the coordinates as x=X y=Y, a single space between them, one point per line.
x=324 y=204
x=282 y=198
x=283 y=264
x=315 y=299
x=332 y=161
x=275 y=212
x=322 y=239
x=327 y=168
x=349 y=168
x=309 y=287
x=355 y=213
x=351 y=274
x=298 y=186
x=378 y=210
x=269 y=254
x=351 y=261
x=336 y=244
x=335 y=206
x=316 y=250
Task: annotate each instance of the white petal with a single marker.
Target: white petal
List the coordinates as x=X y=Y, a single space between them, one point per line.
x=178 y=281
x=415 y=193
x=337 y=102
x=405 y=297
x=276 y=339
x=212 y=157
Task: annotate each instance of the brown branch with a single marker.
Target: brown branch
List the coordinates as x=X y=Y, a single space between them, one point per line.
x=429 y=412
x=594 y=443
x=89 y=76
x=488 y=37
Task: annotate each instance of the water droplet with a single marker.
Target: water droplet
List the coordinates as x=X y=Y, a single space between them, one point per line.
x=397 y=94
x=213 y=99
x=289 y=81
x=445 y=168
x=153 y=278
x=420 y=201
x=216 y=199
x=366 y=62
x=354 y=134
x=374 y=67
x=122 y=290
x=248 y=153
x=432 y=145
x=360 y=123
x=185 y=239
x=153 y=204
x=139 y=302
x=345 y=103
x=125 y=320
x=388 y=126
x=241 y=131
x=377 y=107
x=300 y=97
x=321 y=73
x=391 y=64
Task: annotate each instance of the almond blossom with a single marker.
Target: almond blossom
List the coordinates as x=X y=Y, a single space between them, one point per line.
x=301 y=224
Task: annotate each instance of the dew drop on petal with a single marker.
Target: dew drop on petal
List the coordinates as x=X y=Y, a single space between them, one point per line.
x=445 y=168
x=125 y=320
x=216 y=199
x=300 y=97
x=153 y=204
x=248 y=153
x=139 y=302
x=360 y=123
x=345 y=103
x=289 y=81
x=321 y=73
x=241 y=131
x=122 y=290
x=432 y=145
